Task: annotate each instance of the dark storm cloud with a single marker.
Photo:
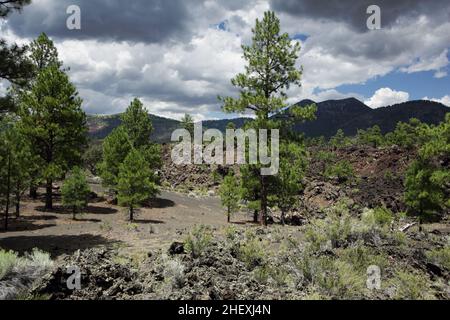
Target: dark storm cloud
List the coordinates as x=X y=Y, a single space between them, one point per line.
x=150 y=21
x=354 y=12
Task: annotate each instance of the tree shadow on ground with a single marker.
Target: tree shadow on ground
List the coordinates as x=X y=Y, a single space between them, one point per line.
x=18 y=225
x=56 y=245
x=160 y=203
x=240 y=223
x=100 y=210
x=87 y=220
x=88 y=210
x=39 y=217
x=150 y=221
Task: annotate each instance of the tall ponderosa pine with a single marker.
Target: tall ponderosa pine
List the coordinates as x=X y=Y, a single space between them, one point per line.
x=136 y=182
x=43 y=53
x=270 y=71
x=54 y=122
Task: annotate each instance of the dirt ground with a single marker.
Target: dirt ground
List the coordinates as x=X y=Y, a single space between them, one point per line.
x=168 y=219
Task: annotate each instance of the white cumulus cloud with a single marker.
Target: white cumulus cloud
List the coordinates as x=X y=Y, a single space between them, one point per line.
x=444 y=100
x=385 y=97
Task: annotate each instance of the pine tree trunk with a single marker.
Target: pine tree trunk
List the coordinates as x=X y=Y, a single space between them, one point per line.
x=131 y=213
x=283 y=214
x=255 y=216
x=49 y=195
x=8 y=191
x=229 y=216
x=33 y=192
x=420 y=219
x=18 y=201
x=263 y=215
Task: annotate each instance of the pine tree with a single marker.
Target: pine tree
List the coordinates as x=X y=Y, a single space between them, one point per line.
x=230 y=195
x=409 y=135
x=93 y=157
x=136 y=182
x=290 y=176
x=427 y=180
x=187 y=123
x=14 y=65
x=137 y=123
x=371 y=136
x=16 y=165
x=271 y=69
x=251 y=189
x=116 y=148
x=54 y=122
x=75 y=192
x=339 y=139
x=25 y=164
x=8 y=6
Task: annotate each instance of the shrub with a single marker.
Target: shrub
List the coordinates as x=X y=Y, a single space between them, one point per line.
x=343 y=281
x=174 y=273
x=8 y=260
x=230 y=233
x=277 y=274
x=198 y=240
x=334 y=230
x=411 y=286
x=342 y=170
x=332 y=278
x=440 y=257
x=39 y=259
x=377 y=218
x=252 y=252
x=33 y=264
x=361 y=257
x=261 y=274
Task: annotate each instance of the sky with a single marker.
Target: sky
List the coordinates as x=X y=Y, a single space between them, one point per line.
x=179 y=55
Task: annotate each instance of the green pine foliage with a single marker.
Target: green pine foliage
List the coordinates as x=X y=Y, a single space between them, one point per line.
x=116 y=148
x=290 y=176
x=371 y=136
x=339 y=140
x=136 y=182
x=427 y=180
x=270 y=70
x=17 y=165
x=187 y=123
x=230 y=195
x=343 y=171
x=54 y=122
x=75 y=191
x=137 y=123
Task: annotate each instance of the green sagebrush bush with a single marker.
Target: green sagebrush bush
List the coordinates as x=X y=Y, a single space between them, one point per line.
x=198 y=240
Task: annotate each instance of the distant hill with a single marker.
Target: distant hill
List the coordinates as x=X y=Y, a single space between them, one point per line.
x=347 y=114
x=351 y=115
x=101 y=126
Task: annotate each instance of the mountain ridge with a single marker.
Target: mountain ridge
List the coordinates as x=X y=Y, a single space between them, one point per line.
x=348 y=114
